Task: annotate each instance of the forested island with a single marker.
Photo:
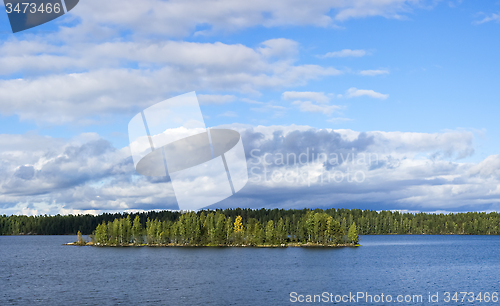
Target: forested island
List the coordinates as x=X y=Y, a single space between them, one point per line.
x=254 y=227
x=215 y=229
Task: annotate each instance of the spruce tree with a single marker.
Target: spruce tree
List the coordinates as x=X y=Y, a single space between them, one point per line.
x=137 y=230
x=353 y=234
x=270 y=232
x=101 y=233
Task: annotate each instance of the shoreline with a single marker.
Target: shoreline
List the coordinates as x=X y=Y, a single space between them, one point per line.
x=175 y=245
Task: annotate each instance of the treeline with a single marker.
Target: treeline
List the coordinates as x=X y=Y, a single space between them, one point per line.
x=215 y=229
x=367 y=221
x=70 y=224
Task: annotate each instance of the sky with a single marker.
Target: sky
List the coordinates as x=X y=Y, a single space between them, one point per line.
x=404 y=94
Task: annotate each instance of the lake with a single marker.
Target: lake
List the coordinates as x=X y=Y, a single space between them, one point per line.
x=39 y=270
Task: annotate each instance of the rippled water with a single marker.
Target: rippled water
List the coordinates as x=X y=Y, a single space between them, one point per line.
x=39 y=270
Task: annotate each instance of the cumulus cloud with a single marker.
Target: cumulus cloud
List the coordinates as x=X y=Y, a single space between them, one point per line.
x=345 y=53
x=319 y=97
x=79 y=75
x=373 y=72
x=180 y=18
x=308 y=106
x=493 y=17
x=395 y=170
x=450 y=144
x=488 y=168
x=215 y=99
x=176 y=67
x=312 y=102
x=48 y=175
x=354 y=92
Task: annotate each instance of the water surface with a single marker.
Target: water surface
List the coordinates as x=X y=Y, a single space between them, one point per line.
x=39 y=270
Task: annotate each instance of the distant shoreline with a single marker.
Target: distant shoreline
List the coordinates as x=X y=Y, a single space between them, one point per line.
x=293 y=245
x=298 y=224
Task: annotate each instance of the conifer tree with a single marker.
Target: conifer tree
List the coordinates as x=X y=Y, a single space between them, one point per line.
x=150 y=231
x=126 y=230
x=229 y=230
x=281 y=231
x=137 y=230
x=101 y=233
x=220 y=229
x=353 y=234
x=270 y=232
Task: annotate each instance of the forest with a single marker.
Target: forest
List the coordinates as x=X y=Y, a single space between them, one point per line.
x=215 y=229
x=295 y=222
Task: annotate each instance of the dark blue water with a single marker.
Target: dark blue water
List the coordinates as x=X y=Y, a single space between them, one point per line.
x=39 y=270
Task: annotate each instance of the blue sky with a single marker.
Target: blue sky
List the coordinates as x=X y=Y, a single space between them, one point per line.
x=417 y=78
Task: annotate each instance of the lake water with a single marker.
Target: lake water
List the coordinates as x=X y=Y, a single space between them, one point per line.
x=39 y=270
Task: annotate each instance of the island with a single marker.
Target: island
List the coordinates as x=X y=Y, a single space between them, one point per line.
x=215 y=229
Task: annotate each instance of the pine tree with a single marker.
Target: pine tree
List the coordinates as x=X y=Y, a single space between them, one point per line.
x=101 y=233
x=229 y=229
x=353 y=234
x=334 y=231
x=270 y=232
x=126 y=230
x=150 y=231
x=116 y=231
x=137 y=230
x=281 y=231
x=210 y=228
x=220 y=229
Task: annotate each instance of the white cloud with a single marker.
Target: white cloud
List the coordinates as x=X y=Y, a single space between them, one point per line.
x=354 y=92
x=167 y=69
x=315 y=102
x=224 y=57
x=180 y=18
x=404 y=169
x=269 y=106
x=345 y=53
x=388 y=9
x=454 y=143
x=373 y=72
x=308 y=106
x=489 y=167
x=418 y=170
x=74 y=175
x=493 y=17
x=215 y=99
x=319 y=97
